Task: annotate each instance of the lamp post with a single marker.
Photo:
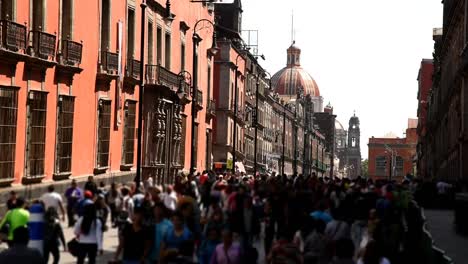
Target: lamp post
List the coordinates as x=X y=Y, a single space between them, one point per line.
x=196 y=39
x=283 y=158
x=256 y=124
x=140 y=95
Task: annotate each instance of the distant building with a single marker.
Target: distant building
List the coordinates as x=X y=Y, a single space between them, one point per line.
x=348 y=148
x=392 y=158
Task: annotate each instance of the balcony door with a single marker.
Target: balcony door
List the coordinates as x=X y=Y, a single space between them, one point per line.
x=38 y=8
x=6 y=10
x=67 y=19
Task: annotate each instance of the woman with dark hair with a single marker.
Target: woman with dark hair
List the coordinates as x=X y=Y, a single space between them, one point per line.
x=53 y=234
x=113 y=199
x=372 y=255
x=88 y=232
x=174 y=238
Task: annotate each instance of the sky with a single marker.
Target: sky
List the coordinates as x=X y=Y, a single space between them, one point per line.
x=363 y=54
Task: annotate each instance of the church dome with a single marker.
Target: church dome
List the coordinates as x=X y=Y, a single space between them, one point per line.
x=293 y=76
x=338 y=125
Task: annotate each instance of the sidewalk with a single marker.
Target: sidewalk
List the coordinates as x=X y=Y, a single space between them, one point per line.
x=440 y=224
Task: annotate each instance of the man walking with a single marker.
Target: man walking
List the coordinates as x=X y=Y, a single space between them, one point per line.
x=73 y=195
x=53 y=199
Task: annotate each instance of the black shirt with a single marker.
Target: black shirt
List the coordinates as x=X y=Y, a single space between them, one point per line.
x=135 y=242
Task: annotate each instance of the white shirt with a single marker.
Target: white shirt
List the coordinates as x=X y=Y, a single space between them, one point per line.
x=51 y=199
x=170 y=200
x=93 y=237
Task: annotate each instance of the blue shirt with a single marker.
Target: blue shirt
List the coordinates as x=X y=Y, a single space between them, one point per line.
x=320 y=215
x=160 y=230
x=175 y=242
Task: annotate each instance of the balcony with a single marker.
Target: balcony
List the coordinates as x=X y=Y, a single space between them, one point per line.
x=210 y=109
x=158 y=75
x=12 y=37
x=108 y=66
x=199 y=100
x=43 y=45
x=132 y=71
x=69 y=59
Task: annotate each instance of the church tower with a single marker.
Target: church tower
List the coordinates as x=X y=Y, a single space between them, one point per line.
x=353 y=154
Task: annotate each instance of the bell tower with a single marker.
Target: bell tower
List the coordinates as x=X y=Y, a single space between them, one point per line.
x=353 y=154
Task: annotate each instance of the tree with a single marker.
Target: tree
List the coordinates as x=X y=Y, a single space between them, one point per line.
x=365 y=168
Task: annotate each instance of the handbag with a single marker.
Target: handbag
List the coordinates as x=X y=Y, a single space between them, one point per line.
x=73 y=247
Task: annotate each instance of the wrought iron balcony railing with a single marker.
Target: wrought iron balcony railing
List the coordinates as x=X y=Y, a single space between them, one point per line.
x=12 y=36
x=71 y=52
x=133 y=69
x=43 y=44
x=110 y=62
x=158 y=75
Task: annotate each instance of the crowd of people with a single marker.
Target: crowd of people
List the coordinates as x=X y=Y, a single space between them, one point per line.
x=221 y=219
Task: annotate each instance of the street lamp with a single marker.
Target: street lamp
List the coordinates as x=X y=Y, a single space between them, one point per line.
x=140 y=95
x=196 y=39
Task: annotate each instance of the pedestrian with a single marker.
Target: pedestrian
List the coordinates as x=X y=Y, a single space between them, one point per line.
x=372 y=255
x=134 y=241
x=315 y=243
x=174 y=238
x=161 y=226
x=127 y=206
x=19 y=253
x=208 y=245
x=102 y=211
x=53 y=235
x=91 y=186
x=73 y=194
x=113 y=200
x=11 y=202
x=321 y=214
x=88 y=199
x=228 y=252
x=18 y=217
x=169 y=198
x=344 y=252
x=88 y=232
x=53 y=199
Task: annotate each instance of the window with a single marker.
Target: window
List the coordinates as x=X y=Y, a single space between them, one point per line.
x=103 y=136
x=208 y=149
x=167 y=51
x=37 y=115
x=158 y=45
x=8 y=118
x=38 y=15
x=399 y=164
x=129 y=133
x=130 y=33
x=64 y=141
x=105 y=25
x=150 y=42
x=380 y=165
x=195 y=136
x=182 y=56
x=67 y=19
x=6 y=9
x=353 y=142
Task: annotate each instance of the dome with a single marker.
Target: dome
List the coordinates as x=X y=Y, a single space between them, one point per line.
x=293 y=76
x=338 y=125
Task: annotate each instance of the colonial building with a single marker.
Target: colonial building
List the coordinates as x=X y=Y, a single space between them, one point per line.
x=69 y=94
x=392 y=158
x=425 y=74
x=446 y=140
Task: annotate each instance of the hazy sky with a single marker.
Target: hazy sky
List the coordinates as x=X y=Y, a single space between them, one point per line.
x=363 y=54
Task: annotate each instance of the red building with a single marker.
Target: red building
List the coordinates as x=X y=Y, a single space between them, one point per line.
x=392 y=157
x=69 y=96
x=424 y=86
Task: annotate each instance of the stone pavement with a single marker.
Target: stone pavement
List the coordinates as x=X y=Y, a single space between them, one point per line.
x=440 y=224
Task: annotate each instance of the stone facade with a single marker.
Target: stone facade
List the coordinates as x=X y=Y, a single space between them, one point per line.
x=446 y=148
